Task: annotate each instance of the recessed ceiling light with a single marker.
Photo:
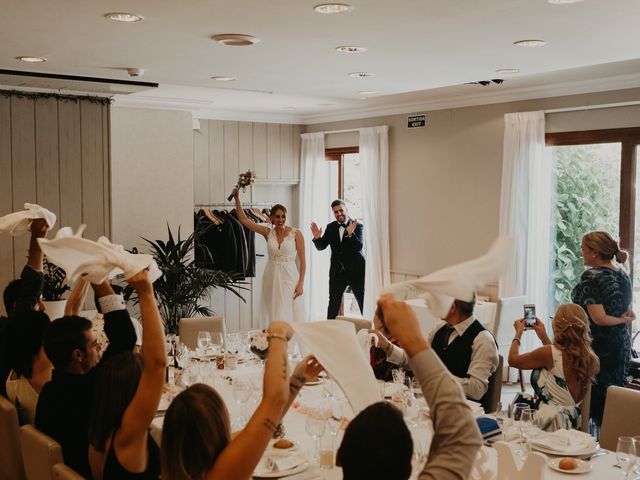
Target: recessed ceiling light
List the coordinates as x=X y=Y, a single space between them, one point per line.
x=329 y=8
x=31 y=59
x=561 y=2
x=530 y=43
x=361 y=74
x=349 y=49
x=123 y=17
x=221 y=78
x=235 y=39
x=367 y=92
x=510 y=71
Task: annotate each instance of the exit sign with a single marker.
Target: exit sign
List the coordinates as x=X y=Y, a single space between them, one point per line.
x=417 y=121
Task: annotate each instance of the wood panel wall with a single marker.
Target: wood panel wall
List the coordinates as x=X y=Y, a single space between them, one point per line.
x=222 y=149
x=53 y=152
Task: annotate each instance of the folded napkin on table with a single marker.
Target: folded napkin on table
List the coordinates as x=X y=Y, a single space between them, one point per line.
x=565 y=441
x=18 y=223
x=96 y=261
x=336 y=347
x=475 y=407
x=279 y=463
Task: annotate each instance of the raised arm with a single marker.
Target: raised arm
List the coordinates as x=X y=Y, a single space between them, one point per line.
x=32 y=279
x=142 y=408
x=307 y=368
x=117 y=322
x=77 y=297
x=240 y=457
x=539 y=358
x=355 y=235
x=320 y=240
x=246 y=221
x=302 y=264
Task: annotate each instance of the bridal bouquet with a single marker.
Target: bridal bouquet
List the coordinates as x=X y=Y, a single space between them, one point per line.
x=245 y=180
x=259 y=344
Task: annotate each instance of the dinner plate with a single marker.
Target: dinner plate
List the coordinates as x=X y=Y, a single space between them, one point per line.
x=314 y=382
x=284 y=473
x=582 y=467
x=579 y=453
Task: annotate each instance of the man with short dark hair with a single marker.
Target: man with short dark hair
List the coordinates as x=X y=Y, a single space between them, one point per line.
x=346 y=238
x=65 y=402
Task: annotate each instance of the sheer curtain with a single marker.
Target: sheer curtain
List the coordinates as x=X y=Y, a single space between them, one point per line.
x=315 y=201
x=374 y=164
x=525 y=211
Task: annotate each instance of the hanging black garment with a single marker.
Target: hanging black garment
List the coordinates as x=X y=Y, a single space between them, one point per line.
x=219 y=240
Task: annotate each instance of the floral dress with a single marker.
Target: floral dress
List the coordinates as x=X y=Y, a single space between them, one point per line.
x=612 y=344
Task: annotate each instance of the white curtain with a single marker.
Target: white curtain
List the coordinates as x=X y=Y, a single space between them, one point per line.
x=525 y=211
x=374 y=164
x=315 y=206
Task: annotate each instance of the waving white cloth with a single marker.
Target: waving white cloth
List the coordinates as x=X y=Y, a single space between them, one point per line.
x=97 y=261
x=334 y=344
x=18 y=223
x=441 y=287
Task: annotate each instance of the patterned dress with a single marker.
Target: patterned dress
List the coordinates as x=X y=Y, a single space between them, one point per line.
x=611 y=289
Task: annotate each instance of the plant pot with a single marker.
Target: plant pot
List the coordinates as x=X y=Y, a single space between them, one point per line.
x=55 y=309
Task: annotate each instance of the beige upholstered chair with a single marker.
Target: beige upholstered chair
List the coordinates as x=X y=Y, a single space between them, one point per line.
x=11 y=464
x=39 y=453
x=360 y=323
x=188 y=329
x=585 y=406
x=62 y=472
x=620 y=416
x=492 y=397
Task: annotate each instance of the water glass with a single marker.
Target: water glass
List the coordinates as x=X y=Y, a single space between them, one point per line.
x=315 y=425
x=626 y=454
x=216 y=343
x=398 y=376
x=241 y=394
x=204 y=340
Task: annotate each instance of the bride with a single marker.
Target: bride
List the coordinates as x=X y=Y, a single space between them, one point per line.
x=282 y=281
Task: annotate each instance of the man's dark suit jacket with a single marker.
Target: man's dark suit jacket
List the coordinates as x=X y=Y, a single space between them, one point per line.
x=346 y=255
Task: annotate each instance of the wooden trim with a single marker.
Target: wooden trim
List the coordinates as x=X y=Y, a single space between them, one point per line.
x=587 y=137
x=336 y=155
x=330 y=152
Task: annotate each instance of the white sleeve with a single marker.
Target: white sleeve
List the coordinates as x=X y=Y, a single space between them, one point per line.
x=484 y=361
x=398 y=357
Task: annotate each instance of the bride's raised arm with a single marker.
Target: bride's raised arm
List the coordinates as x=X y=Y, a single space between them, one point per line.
x=246 y=221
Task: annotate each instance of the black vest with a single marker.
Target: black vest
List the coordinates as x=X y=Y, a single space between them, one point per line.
x=457 y=355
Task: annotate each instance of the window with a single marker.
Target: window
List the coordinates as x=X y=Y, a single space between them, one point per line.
x=595 y=179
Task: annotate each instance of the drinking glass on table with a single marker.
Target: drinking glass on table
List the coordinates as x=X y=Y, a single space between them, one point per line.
x=315 y=425
x=204 y=340
x=636 y=465
x=241 y=393
x=526 y=422
x=516 y=415
x=626 y=454
x=216 y=342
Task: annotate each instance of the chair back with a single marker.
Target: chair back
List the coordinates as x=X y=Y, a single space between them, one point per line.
x=490 y=399
x=620 y=416
x=11 y=465
x=359 y=323
x=585 y=406
x=509 y=309
x=39 y=453
x=188 y=329
x=62 y=472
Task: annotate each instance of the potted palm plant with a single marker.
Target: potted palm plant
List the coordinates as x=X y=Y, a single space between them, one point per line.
x=53 y=288
x=182 y=289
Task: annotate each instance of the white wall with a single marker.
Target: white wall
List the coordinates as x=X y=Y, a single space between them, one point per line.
x=151 y=174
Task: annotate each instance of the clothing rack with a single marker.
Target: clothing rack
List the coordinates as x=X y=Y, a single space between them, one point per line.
x=233 y=205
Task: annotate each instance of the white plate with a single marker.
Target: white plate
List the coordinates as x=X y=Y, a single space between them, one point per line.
x=580 y=453
x=315 y=382
x=297 y=469
x=274 y=449
x=583 y=466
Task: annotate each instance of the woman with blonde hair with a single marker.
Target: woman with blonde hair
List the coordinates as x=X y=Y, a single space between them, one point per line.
x=562 y=369
x=605 y=293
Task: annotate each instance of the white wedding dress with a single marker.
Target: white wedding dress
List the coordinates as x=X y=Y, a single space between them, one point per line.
x=280 y=279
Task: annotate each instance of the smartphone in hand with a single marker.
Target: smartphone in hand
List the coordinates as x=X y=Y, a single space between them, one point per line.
x=529 y=315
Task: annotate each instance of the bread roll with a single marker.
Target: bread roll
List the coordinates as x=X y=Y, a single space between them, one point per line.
x=567 y=463
x=283 y=443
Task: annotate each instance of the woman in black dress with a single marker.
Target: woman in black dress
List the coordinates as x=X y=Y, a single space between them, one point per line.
x=604 y=292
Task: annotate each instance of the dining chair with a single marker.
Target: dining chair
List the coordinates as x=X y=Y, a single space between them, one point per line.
x=11 y=467
x=63 y=472
x=620 y=416
x=188 y=329
x=491 y=399
x=39 y=453
x=585 y=406
x=359 y=323
x=509 y=309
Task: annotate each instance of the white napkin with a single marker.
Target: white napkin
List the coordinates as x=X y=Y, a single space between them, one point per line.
x=97 y=261
x=364 y=339
x=278 y=463
x=565 y=441
x=460 y=281
x=18 y=223
x=334 y=344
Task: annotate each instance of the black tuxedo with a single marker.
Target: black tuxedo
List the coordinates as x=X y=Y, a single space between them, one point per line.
x=347 y=265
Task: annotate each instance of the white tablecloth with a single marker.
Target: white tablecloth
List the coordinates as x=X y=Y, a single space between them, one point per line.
x=485 y=312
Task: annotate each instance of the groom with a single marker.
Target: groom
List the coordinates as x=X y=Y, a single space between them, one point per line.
x=347 y=261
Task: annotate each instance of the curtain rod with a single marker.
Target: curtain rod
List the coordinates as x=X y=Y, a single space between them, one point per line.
x=593 y=107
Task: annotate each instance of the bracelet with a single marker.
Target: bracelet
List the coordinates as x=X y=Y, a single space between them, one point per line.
x=275 y=335
x=516 y=339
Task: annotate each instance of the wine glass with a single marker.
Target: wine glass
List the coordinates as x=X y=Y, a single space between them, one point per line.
x=335 y=419
x=625 y=454
x=204 y=340
x=527 y=416
x=241 y=394
x=315 y=425
x=516 y=415
x=216 y=342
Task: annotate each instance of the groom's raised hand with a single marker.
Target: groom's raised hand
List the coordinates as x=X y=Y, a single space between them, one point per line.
x=315 y=230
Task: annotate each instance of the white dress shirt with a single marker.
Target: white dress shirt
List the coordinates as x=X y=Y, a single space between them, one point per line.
x=484 y=358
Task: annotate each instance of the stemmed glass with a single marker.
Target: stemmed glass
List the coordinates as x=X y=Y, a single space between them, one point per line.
x=241 y=394
x=335 y=419
x=518 y=408
x=626 y=454
x=216 y=343
x=315 y=425
x=526 y=429
x=204 y=340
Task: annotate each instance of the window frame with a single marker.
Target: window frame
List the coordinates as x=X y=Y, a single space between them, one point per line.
x=337 y=155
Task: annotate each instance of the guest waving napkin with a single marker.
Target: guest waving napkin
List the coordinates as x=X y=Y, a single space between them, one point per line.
x=18 y=223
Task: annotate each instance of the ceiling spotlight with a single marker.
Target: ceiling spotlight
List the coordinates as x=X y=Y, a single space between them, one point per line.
x=510 y=71
x=367 y=92
x=123 y=17
x=530 y=43
x=221 y=78
x=348 y=49
x=361 y=74
x=235 y=39
x=31 y=59
x=329 y=8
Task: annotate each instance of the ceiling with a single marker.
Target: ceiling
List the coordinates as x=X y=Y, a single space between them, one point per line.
x=421 y=52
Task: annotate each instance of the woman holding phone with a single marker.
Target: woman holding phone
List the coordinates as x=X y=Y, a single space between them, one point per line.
x=562 y=369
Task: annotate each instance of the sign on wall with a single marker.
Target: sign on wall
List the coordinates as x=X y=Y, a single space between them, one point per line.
x=417 y=121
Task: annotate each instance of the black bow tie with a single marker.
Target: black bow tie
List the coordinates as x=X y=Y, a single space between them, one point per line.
x=343 y=225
